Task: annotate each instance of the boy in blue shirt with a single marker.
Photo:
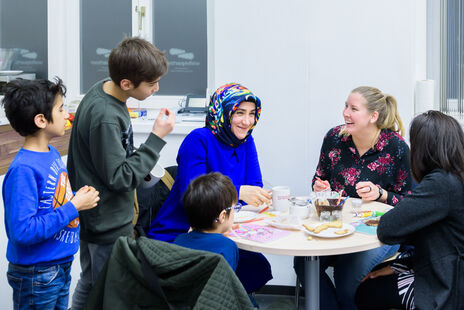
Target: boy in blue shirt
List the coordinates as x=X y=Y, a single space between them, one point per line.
x=210 y=202
x=41 y=212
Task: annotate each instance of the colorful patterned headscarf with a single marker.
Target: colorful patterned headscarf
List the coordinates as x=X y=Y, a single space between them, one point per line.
x=222 y=105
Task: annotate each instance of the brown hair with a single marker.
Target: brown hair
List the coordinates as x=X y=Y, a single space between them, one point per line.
x=137 y=60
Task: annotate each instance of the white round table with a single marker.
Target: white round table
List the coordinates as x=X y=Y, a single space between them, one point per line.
x=297 y=244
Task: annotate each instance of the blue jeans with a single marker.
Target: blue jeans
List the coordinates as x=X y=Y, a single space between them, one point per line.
x=349 y=270
x=40 y=287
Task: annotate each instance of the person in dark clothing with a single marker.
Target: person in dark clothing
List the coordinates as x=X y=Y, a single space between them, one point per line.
x=431 y=219
x=102 y=154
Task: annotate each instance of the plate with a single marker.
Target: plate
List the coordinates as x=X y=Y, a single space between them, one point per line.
x=244 y=216
x=285 y=222
x=253 y=208
x=330 y=232
x=10 y=72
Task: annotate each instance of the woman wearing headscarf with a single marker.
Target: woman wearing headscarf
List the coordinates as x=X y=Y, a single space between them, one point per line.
x=224 y=145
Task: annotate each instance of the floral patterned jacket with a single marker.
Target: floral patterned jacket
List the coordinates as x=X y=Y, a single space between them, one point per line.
x=386 y=164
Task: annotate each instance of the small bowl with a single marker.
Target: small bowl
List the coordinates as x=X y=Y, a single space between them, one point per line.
x=356 y=202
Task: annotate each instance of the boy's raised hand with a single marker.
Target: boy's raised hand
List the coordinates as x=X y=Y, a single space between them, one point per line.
x=86 y=198
x=164 y=123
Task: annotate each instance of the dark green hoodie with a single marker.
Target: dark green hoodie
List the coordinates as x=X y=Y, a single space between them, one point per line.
x=101 y=154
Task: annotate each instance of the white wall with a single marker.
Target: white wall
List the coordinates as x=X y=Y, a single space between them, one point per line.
x=302 y=58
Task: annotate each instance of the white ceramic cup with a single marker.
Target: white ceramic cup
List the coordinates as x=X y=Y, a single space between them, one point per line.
x=153 y=177
x=280 y=198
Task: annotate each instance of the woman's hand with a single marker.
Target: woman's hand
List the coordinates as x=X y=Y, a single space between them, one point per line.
x=254 y=195
x=369 y=191
x=321 y=185
x=385 y=271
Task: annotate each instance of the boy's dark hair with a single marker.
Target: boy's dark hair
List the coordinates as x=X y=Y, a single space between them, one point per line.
x=24 y=99
x=437 y=141
x=136 y=60
x=206 y=197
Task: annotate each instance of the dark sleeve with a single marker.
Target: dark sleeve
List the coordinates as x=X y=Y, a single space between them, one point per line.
x=323 y=169
x=253 y=170
x=403 y=179
x=121 y=173
x=427 y=204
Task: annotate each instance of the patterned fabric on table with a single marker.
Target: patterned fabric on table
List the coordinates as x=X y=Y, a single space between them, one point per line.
x=222 y=105
x=386 y=164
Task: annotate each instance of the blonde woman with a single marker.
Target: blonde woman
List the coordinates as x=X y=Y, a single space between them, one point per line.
x=367 y=158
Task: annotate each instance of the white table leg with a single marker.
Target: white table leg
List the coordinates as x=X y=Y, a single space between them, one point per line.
x=311 y=266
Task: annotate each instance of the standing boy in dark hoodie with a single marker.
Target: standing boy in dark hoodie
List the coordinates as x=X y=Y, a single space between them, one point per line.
x=101 y=152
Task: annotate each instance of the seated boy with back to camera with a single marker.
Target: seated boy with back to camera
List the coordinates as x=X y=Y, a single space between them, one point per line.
x=41 y=212
x=210 y=202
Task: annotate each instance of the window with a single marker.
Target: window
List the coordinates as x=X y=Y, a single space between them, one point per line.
x=72 y=39
x=103 y=24
x=179 y=28
x=23 y=37
x=452 y=57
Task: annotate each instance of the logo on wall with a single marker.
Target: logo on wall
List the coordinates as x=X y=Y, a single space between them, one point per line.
x=102 y=64
x=184 y=60
x=18 y=58
x=103 y=52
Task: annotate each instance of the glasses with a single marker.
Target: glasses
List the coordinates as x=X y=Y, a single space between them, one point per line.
x=236 y=208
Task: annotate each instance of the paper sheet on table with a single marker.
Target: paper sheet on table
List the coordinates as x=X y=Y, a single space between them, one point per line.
x=259 y=233
x=361 y=227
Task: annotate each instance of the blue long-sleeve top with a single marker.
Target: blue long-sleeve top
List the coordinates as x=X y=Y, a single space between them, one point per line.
x=202 y=153
x=41 y=223
x=212 y=242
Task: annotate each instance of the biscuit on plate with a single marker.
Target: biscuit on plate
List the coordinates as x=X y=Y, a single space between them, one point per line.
x=321 y=228
x=341 y=232
x=311 y=229
x=335 y=224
